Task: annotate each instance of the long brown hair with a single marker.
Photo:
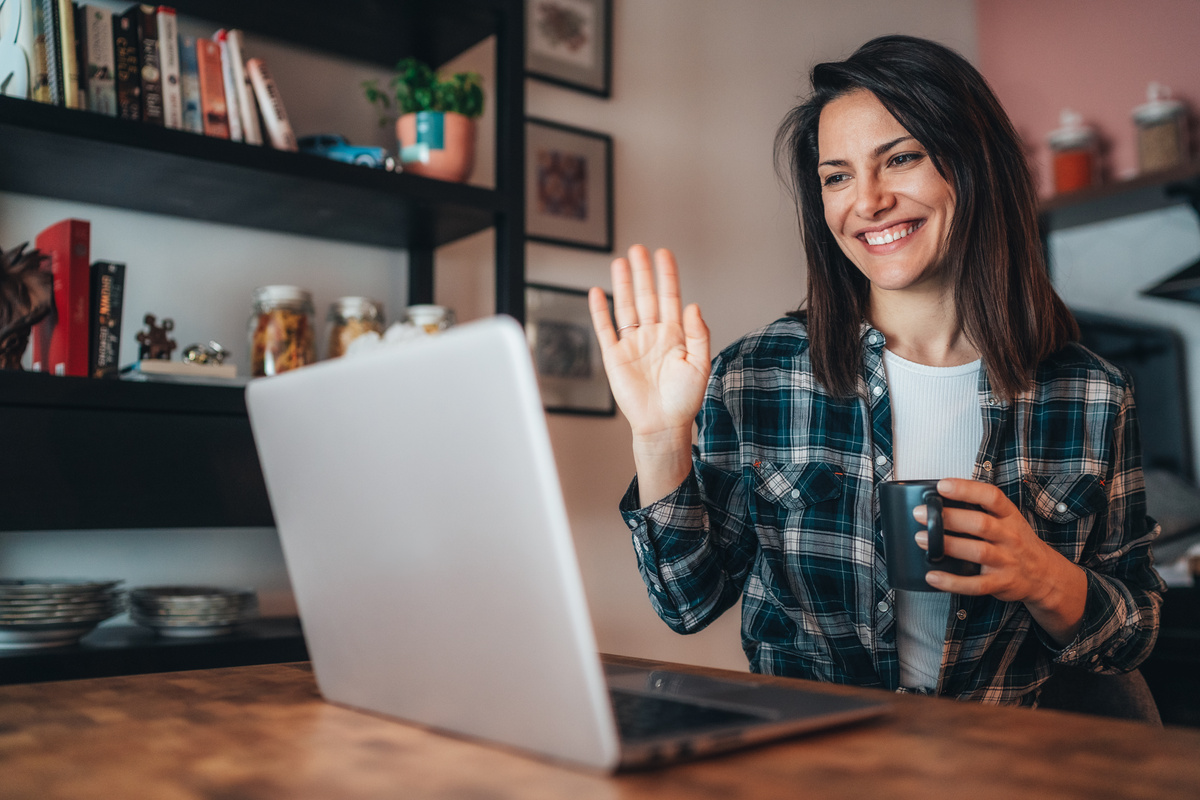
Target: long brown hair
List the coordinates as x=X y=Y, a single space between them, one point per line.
x=1003 y=295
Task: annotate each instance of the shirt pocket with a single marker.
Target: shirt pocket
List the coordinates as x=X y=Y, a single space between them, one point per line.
x=1063 y=507
x=790 y=499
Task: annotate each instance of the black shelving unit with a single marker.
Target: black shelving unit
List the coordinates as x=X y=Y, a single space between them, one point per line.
x=132 y=650
x=1150 y=192
x=90 y=454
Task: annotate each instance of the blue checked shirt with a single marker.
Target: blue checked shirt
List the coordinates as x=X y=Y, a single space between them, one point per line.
x=781 y=510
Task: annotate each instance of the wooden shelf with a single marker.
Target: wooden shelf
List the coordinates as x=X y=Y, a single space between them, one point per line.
x=1150 y=192
x=132 y=649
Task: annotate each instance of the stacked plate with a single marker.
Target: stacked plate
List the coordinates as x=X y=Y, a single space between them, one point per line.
x=185 y=611
x=54 y=612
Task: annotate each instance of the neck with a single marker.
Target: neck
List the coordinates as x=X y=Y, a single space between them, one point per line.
x=922 y=328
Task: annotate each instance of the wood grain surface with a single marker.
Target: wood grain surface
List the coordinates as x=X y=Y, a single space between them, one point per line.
x=263 y=733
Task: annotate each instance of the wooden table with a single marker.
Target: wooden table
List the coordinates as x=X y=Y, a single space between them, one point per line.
x=263 y=733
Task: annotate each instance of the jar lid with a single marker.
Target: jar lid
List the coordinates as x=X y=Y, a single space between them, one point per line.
x=356 y=307
x=1073 y=132
x=1159 y=106
x=281 y=293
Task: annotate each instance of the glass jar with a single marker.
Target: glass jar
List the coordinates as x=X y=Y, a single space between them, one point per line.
x=1162 y=130
x=1076 y=154
x=349 y=318
x=282 y=330
x=430 y=317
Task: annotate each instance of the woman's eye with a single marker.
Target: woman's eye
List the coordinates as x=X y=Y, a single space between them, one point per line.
x=834 y=179
x=906 y=158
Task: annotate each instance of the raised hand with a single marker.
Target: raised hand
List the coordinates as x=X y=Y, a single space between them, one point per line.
x=656 y=358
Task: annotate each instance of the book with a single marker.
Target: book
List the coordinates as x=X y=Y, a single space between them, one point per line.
x=275 y=119
x=189 y=85
x=212 y=89
x=39 y=78
x=127 y=51
x=81 y=52
x=16 y=48
x=231 y=101
x=65 y=21
x=247 y=108
x=168 y=56
x=60 y=342
x=152 y=92
x=163 y=366
x=101 y=65
x=107 y=291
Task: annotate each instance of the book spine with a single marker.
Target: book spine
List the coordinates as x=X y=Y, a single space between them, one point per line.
x=231 y=101
x=104 y=342
x=247 y=112
x=60 y=342
x=54 y=65
x=189 y=85
x=39 y=78
x=101 y=63
x=66 y=47
x=126 y=49
x=168 y=54
x=212 y=89
x=275 y=118
x=152 y=94
x=81 y=58
x=18 y=29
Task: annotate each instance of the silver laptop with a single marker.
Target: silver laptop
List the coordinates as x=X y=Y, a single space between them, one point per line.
x=427 y=543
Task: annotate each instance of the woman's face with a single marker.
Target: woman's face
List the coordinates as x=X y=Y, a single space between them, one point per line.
x=885 y=202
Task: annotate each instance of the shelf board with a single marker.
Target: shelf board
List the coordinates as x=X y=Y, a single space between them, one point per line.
x=39 y=390
x=77 y=155
x=132 y=649
x=1151 y=192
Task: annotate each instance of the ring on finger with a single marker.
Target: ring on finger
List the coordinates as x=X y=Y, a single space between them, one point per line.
x=627 y=327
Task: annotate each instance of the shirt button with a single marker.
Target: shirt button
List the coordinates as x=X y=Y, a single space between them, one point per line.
x=962 y=613
x=878 y=390
x=1061 y=508
x=873 y=339
x=991 y=400
x=633 y=524
x=987 y=466
x=882 y=606
x=795 y=493
x=881 y=460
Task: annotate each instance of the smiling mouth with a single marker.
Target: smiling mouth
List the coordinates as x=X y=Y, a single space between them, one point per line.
x=892 y=234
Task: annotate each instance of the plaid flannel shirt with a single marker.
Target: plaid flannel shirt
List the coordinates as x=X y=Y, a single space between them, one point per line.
x=781 y=510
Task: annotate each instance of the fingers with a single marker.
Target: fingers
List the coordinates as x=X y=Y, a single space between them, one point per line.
x=669 y=303
x=606 y=334
x=645 y=298
x=985 y=495
x=695 y=333
x=622 y=280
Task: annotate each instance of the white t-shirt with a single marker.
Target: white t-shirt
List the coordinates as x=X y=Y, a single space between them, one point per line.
x=937 y=428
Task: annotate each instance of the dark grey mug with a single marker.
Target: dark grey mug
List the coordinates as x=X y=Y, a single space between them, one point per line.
x=907 y=563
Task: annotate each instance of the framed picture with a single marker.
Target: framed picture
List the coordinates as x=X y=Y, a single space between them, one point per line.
x=569 y=42
x=568 y=186
x=565 y=352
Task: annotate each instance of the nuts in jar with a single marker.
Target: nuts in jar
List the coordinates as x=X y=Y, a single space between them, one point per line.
x=282 y=333
x=349 y=318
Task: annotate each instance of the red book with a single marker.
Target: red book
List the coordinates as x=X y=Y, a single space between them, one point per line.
x=212 y=89
x=60 y=342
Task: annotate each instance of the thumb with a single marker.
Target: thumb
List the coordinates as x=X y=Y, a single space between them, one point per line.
x=695 y=332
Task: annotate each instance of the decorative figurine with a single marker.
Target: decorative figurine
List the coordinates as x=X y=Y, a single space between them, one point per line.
x=26 y=298
x=153 y=342
x=211 y=353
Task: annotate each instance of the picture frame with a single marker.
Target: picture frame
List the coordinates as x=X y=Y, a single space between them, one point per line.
x=566 y=354
x=569 y=43
x=568 y=186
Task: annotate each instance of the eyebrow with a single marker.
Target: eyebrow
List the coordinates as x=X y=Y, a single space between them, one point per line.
x=880 y=150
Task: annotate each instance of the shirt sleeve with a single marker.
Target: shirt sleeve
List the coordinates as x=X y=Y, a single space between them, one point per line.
x=695 y=546
x=1124 y=591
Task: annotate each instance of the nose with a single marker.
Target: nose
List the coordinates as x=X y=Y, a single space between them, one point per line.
x=873 y=196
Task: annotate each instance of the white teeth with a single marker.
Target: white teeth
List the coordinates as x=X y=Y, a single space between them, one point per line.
x=888 y=238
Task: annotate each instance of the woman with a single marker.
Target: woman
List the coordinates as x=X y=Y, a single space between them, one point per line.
x=932 y=345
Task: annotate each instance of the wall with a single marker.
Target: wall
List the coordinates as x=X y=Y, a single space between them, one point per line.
x=699 y=88
x=1042 y=55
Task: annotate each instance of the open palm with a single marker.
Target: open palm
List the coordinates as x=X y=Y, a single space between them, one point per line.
x=657 y=354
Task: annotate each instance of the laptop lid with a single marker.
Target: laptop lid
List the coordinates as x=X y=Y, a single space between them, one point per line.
x=426 y=539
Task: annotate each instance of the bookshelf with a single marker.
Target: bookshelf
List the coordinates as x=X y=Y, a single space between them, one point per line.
x=202 y=431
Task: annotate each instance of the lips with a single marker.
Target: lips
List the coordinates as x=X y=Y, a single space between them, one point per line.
x=890 y=234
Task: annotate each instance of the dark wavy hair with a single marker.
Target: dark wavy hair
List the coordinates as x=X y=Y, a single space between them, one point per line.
x=1005 y=302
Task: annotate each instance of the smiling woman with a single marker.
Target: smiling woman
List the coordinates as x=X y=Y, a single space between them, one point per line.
x=931 y=346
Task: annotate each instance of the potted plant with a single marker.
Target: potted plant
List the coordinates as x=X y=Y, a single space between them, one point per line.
x=436 y=127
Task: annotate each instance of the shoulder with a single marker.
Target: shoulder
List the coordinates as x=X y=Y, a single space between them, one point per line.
x=1081 y=372
x=784 y=339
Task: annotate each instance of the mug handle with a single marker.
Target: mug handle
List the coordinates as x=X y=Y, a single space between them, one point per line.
x=933 y=524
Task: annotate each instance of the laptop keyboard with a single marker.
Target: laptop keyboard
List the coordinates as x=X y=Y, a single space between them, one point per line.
x=642 y=717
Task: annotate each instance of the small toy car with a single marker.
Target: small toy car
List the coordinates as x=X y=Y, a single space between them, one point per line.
x=336 y=147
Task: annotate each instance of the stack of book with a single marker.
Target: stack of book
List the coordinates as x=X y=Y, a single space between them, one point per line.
x=136 y=65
